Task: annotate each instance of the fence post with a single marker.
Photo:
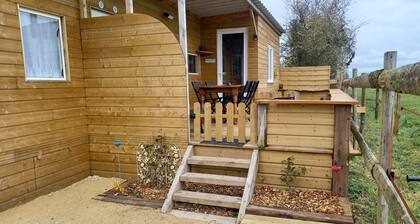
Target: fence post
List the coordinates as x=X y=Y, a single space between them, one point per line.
x=262 y=125
x=377 y=104
x=363 y=115
x=354 y=95
x=397 y=114
x=385 y=155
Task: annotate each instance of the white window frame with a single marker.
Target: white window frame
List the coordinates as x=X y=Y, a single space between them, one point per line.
x=63 y=54
x=270 y=64
x=197 y=65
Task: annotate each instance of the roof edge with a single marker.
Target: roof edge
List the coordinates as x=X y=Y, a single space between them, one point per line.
x=262 y=10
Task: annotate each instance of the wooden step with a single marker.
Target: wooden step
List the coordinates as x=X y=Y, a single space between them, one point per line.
x=207 y=199
x=204 y=178
x=219 y=161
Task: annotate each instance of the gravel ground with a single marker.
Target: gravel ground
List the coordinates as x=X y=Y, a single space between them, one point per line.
x=74 y=205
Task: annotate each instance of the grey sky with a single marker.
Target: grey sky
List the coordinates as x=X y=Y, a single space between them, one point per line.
x=389 y=25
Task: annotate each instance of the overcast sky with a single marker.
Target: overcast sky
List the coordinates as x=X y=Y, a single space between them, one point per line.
x=388 y=25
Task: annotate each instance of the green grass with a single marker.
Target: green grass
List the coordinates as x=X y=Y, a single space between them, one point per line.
x=363 y=191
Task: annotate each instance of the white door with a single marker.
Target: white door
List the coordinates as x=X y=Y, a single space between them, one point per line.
x=232 y=56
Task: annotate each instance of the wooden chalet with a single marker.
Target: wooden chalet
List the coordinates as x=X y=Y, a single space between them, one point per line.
x=77 y=76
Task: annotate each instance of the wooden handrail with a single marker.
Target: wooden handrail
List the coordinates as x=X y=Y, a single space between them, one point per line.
x=405 y=79
x=400 y=211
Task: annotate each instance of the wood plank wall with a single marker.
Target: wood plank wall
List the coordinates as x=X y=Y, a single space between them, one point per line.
x=267 y=36
x=318 y=166
x=135 y=88
x=306 y=128
x=43 y=125
x=304 y=78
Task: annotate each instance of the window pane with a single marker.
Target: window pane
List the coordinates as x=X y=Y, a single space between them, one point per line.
x=192 y=63
x=42 y=46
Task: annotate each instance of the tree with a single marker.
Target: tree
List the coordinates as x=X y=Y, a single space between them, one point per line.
x=318 y=33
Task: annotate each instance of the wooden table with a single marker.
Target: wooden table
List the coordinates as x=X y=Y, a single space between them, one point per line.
x=233 y=90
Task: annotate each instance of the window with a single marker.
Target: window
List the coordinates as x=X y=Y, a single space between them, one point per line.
x=192 y=64
x=270 y=62
x=98 y=13
x=42 y=41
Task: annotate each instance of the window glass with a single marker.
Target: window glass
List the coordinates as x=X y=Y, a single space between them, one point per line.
x=192 y=63
x=98 y=13
x=270 y=62
x=42 y=46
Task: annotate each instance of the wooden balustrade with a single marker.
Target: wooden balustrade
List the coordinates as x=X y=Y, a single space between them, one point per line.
x=230 y=126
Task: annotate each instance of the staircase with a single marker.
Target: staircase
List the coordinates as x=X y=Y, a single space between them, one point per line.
x=217 y=157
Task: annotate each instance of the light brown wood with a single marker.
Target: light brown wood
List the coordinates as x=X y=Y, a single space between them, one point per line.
x=241 y=123
x=219 y=161
x=249 y=186
x=230 y=122
x=219 y=122
x=176 y=184
x=213 y=179
x=207 y=122
x=208 y=199
x=254 y=124
x=197 y=122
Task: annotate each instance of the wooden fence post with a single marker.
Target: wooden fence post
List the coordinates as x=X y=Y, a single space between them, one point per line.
x=354 y=95
x=397 y=114
x=340 y=180
x=377 y=104
x=363 y=115
x=262 y=125
x=387 y=136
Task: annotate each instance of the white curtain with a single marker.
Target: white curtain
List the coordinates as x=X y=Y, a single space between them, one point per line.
x=42 y=46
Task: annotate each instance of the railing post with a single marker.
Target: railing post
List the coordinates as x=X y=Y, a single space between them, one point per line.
x=387 y=136
x=197 y=122
x=262 y=125
x=354 y=95
x=254 y=124
x=363 y=115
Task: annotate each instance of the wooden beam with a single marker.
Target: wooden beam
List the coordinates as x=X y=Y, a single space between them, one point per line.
x=341 y=150
x=400 y=211
x=262 y=125
x=387 y=135
x=405 y=79
x=249 y=186
x=254 y=23
x=397 y=113
x=183 y=41
x=208 y=199
x=205 y=178
x=176 y=184
x=354 y=95
x=129 y=8
x=83 y=9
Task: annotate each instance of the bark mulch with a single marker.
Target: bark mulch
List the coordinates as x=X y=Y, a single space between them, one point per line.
x=138 y=190
x=307 y=201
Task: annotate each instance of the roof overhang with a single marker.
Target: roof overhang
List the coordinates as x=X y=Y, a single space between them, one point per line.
x=207 y=8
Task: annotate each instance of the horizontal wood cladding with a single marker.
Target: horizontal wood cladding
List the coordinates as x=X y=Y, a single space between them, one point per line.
x=135 y=88
x=318 y=166
x=43 y=125
x=267 y=36
x=305 y=78
x=309 y=126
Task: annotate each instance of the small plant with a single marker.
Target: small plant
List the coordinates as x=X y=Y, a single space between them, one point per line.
x=119 y=187
x=157 y=163
x=290 y=172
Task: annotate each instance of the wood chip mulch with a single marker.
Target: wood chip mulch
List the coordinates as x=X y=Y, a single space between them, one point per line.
x=214 y=189
x=308 y=201
x=205 y=209
x=138 y=190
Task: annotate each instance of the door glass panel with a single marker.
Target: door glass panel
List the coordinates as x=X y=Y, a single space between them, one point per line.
x=233 y=58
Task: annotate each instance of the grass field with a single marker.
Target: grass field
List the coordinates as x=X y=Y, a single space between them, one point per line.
x=363 y=191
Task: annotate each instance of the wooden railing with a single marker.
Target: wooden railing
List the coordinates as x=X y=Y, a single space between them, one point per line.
x=230 y=126
x=392 y=81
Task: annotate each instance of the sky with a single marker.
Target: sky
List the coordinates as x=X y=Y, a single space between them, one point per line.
x=388 y=25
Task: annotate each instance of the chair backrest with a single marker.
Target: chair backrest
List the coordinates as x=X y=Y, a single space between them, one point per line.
x=196 y=86
x=248 y=92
